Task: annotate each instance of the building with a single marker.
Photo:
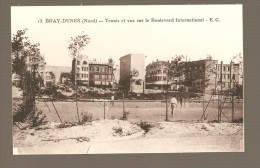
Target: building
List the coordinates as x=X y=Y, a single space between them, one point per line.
x=201 y=75
x=58 y=70
x=206 y=76
x=80 y=70
x=49 y=79
x=116 y=73
x=39 y=63
x=230 y=75
x=101 y=73
x=65 y=77
x=132 y=72
x=156 y=75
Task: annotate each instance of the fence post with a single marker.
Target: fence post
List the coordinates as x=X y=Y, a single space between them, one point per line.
x=123 y=104
x=232 y=107
x=104 y=109
x=218 y=107
x=203 y=108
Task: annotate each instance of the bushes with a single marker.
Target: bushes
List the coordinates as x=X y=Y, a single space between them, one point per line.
x=86 y=117
x=240 y=120
x=145 y=126
x=118 y=130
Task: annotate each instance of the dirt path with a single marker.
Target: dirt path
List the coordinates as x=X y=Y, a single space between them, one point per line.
x=117 y=136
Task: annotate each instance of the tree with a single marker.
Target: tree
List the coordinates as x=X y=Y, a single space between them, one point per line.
x=192 y=72
x=29 y=82
x=76 y=45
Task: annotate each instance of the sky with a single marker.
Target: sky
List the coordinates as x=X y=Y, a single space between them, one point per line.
x=222 y=40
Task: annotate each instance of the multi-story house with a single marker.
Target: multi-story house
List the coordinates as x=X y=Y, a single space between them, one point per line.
x=206 y=76
x=80 y=70
x=230 y=75
x=101 y=73
x=132 y=72
x=156 y=75
x=201 y=75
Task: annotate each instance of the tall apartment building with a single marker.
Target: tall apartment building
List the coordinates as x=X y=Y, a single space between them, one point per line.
x=156 y=75
x=206 y=76
x=132 y=71
x=230 y=75
x=101 y=73
x=80 y=70
x=202 y=75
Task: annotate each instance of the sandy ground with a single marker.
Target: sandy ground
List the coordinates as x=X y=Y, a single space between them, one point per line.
x=118 y=136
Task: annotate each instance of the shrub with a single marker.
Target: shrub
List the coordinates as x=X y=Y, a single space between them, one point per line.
x=37 y=118
x=145 y=126
x=118 y=130
x=240 y=120
x=86 y=117
x=125 y=115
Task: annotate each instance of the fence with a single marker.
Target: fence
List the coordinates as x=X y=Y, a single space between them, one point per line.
x=65 y=110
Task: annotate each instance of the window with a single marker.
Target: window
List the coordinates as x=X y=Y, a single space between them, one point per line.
x=104 y=76
x=104 y=70
x=82 y=75
x=228 y=68
x=82 y=68
x=224 y=68
x=224 y=76
x=97 y=69
x=78 y=62
x=85 y=62
x=228 y=76
x=85 y=75
x=91 y=68
x=96 y=77
x=234 y=76
x=218 y=68
x=164 y=78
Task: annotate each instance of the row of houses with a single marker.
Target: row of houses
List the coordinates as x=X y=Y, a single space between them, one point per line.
x=205 y=75
x=85 y=71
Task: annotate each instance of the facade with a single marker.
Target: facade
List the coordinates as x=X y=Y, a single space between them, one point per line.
x=80 y=70
x=207 y=75
x=230 y=75
x=65 y=77
x=116 y=73
x=101 y=73
x=202 y=75
x=156 y=75
x=132 y=71
x=49 y=79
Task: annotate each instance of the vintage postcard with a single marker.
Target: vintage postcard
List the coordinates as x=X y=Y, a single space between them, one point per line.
x=127 y=79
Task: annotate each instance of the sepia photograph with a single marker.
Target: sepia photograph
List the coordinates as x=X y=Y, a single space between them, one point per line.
x=127 y=79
